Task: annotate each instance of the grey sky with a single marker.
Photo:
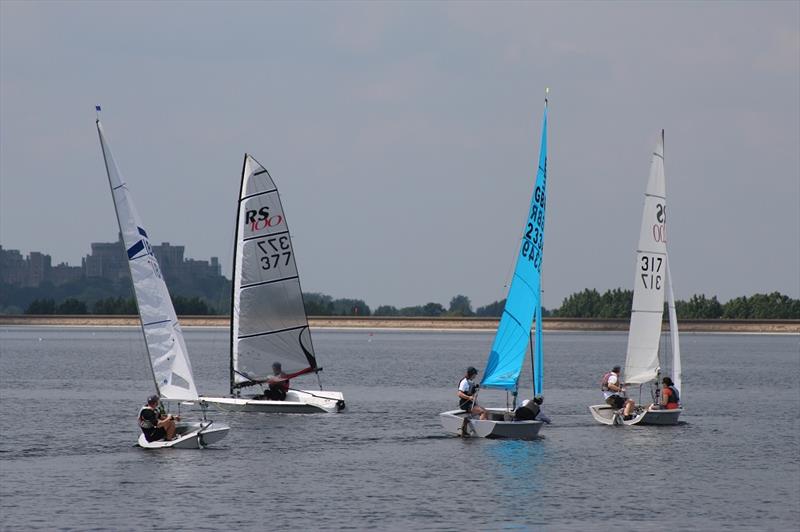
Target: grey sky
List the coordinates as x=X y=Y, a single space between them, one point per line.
x=404 y=136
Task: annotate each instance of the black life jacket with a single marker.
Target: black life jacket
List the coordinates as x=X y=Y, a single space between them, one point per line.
x=144 y=423
x=463 y=403
x=529 y=411
x=674 y=397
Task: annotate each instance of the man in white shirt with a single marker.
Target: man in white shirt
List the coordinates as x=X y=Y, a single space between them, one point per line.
x=614 y=390
x=466 y=394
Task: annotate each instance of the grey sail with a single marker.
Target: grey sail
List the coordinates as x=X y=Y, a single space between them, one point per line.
x=269 y=322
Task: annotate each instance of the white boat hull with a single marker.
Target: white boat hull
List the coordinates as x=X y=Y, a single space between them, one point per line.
x=497 y=426
x=608 y=415
x=296 y=402
x=190 y=436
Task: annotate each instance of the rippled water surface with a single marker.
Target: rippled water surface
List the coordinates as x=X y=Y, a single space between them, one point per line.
x=69 y=399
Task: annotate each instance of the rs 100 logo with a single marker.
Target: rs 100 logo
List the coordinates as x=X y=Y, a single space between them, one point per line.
x=660 y=228
x=261 y=219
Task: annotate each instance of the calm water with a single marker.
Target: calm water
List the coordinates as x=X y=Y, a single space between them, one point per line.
x=69 y=398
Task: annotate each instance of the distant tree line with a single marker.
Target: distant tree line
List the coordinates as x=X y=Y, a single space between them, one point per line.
x=186 y=306
x=215 y=292
x=588 y=303
x=617 y=304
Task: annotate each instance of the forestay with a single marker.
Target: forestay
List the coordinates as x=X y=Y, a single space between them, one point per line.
x=269 y=322
x=524 y=297
x=166 y=347
x=641 y=363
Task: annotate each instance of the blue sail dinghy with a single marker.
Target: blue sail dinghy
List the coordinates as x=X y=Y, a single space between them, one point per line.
x=513 y=335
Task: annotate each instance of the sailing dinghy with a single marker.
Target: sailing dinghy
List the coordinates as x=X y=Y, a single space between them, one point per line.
x=268 y=320
x=523 y=304
x=653 y=278
x=167 y=356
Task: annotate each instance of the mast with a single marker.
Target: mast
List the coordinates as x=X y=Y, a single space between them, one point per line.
x=233 y=271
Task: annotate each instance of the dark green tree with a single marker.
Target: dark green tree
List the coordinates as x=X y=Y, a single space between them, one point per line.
x=190 y=306
x=41 y=306
x=699 y=307
x=71 y=306
x=386 y=310
x=492 y=310
x=350 y=307
x=317 y=304
x=115 y=305
x=432 y=309
x=460 y=305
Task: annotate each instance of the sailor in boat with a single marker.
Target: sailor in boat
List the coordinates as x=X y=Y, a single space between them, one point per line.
x=531 y=409
x=670 y=398
x=614 y=392
x=155 y=423
x=278 y=384
x=466 y=394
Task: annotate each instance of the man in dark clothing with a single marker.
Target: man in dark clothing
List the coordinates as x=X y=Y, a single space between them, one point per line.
x=154 y=424
x=528 y=410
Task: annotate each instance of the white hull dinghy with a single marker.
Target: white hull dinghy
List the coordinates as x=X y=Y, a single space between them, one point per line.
x=167 y=356
x=296 y=402
x=608 y=415
x=197 y=435
x=653 y=279
x=513 y=336
x=269 y=325
x=501 y=424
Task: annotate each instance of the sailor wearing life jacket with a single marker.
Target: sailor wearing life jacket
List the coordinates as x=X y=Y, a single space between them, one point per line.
x=154 y=424
x=613 y=392
x=531 y=409
x=467 y=389
x=670 y=398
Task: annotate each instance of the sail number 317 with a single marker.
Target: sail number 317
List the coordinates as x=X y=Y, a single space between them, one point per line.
x=651 y=272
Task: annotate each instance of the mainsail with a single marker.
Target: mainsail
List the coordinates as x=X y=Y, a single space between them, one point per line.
x=269 y=322
x=524 y=297
x=166 y=347
x=647 y=311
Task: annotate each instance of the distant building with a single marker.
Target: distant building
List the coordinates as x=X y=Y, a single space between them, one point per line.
x=107 y=260
x=13 y=268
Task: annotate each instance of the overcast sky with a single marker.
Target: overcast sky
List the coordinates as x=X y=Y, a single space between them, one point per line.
x=404 y=137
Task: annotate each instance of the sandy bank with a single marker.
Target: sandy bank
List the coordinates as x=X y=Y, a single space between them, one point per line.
x=372 y=322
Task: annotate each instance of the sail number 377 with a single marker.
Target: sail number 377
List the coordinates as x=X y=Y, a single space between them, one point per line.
x=273 y=249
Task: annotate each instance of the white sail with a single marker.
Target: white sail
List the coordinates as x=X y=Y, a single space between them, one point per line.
x=166 y=347
x=269 y=322
x=641 y=363
x=673 y=331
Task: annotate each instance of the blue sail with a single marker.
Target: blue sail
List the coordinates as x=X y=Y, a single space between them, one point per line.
x=524 y=297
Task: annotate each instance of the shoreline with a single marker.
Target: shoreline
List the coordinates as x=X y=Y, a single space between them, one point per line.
x=419 y=324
